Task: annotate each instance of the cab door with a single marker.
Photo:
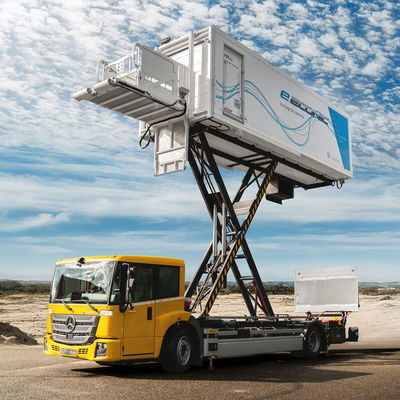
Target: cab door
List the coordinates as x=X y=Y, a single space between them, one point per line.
x=139 y=321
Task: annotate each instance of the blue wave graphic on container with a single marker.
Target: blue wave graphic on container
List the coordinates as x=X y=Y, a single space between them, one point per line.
x=299 y=135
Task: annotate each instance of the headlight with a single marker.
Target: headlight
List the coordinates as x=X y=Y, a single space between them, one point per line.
x=101 y=349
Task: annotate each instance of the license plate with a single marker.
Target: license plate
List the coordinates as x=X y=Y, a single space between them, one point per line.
x=69 y=352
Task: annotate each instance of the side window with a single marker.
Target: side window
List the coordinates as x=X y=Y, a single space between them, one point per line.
x=143 y=287
x=115 y=288
x=168 y=282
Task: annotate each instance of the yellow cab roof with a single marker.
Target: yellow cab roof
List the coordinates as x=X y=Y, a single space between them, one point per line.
x=138 y=259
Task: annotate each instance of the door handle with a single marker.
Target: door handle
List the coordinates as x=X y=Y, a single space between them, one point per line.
x=149 y=313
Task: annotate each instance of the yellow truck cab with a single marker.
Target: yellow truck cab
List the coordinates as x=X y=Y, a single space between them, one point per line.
x=121 y=309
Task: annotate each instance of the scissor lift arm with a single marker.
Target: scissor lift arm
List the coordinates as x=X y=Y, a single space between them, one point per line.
x=228 y=231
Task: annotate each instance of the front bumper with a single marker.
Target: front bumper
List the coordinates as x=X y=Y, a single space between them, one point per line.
x=87 y=352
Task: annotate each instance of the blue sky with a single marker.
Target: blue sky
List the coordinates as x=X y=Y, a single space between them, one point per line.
x=74 y=182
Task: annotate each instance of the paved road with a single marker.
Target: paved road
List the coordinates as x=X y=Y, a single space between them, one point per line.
x=26 y=373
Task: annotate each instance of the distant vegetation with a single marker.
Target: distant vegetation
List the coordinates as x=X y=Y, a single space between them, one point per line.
x=271 y=289
x=9 y=287
x=289 y=290
x=279 y=289
x=379 y=291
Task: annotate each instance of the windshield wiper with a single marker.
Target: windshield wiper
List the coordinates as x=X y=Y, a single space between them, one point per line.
x=92 y=307
x=66 y=305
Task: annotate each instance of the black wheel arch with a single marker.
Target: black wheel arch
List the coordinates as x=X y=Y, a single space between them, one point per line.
x=316 y=325
x=320 y=328
x=308 y=328
x=195 y=332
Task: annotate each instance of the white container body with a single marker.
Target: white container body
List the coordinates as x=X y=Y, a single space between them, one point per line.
x=235 y=88
x=326 y=289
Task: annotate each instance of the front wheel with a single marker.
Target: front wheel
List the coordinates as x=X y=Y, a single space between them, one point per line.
x=177 y=351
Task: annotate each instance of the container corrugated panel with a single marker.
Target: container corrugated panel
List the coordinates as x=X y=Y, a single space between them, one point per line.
x=326 y=289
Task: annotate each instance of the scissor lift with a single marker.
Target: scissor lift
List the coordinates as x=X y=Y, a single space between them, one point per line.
x=227 y=230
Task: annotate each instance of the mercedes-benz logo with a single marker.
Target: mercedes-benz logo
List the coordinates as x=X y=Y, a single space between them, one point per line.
x=70 y=323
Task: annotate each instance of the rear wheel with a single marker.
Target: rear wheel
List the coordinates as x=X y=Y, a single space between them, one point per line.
x=177 y=351
x=313 y=343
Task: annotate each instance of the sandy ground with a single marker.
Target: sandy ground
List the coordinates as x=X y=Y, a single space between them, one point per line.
x=378 y=318
x=26 y=373
x=25 y=311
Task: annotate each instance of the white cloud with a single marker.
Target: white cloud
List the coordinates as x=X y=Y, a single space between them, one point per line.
x=357 y=201
x=165 y=198
x=250 y=44
x=297 y=10
x=33 y=222
x=353 y=240
x=264 y=10
x=149 y=242
x=179 y=201
x=296 y=64
x=382 y=19
x=329 y=39
x=307 y=48
x=376 y=67
x=218 y=15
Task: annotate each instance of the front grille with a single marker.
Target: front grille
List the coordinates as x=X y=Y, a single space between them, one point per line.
x=63 y=333
x=83 y=332
x=55 y=348
x=83 y=351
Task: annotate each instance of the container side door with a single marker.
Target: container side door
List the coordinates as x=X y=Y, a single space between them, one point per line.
x=171 y=147
x=232 y=84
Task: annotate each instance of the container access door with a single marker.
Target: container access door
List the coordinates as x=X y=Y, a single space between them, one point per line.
x=232 y=84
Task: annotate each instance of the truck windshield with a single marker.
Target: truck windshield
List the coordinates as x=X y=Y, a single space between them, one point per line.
x=91 y=281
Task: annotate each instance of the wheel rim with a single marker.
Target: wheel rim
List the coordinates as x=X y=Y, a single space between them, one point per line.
x=183 y=350
x=314 y=341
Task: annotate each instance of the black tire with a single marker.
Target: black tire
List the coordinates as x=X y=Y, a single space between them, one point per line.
x=314 y=343
x=353 y=334
x=177 y=351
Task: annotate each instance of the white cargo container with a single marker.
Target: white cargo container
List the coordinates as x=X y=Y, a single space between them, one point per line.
x=236 y=88
x=236 y=91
